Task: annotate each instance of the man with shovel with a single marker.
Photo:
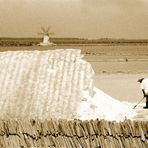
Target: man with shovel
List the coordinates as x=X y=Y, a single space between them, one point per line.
x=144 y=87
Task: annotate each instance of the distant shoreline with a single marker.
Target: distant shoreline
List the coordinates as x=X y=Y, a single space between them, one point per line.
x=72 y=41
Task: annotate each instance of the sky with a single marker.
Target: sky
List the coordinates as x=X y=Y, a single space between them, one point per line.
x=75 y=18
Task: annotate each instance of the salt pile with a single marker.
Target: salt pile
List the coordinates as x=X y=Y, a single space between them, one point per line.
x=42 y=84
x=53 y=84
x=103 y=106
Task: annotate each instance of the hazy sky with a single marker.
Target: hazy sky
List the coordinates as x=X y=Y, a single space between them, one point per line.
x=75 y=18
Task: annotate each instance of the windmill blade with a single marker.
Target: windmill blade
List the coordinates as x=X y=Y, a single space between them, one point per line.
x=43 y=29
x=40 y=33
x=51 y=33
x=48 y=28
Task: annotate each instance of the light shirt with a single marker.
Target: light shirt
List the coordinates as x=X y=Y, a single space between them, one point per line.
x=144 y=85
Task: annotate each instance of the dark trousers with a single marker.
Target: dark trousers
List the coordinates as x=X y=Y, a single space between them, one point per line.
x=146 y=96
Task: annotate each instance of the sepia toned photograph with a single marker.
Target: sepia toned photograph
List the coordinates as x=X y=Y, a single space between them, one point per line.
x=74 y=73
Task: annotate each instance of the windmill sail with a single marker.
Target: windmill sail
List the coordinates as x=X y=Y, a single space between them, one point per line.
x=46 y=34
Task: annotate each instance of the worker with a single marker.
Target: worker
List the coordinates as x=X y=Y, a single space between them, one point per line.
x=144 y=87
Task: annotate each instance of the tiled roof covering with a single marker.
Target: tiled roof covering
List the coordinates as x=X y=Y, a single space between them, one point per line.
x=73 y=133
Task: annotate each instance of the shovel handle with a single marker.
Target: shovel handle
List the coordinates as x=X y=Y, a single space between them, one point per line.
x=138 y=102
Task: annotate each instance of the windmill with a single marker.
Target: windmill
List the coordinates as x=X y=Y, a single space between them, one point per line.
x=46 y=34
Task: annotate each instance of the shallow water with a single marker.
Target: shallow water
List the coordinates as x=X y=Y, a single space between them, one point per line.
x=116 y=50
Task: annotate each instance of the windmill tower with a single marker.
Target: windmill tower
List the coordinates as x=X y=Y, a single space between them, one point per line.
x=46 y=34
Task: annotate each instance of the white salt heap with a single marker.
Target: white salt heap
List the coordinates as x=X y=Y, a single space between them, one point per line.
x=53 y=84
x=103 y=106
x=42 y=84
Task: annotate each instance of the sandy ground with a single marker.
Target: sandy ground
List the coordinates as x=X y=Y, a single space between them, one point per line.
x=123 y=87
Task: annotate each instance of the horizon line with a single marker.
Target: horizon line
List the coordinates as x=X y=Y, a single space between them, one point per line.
x=75 y=38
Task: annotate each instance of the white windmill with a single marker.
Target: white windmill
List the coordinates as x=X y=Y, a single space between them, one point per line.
x=46 y=34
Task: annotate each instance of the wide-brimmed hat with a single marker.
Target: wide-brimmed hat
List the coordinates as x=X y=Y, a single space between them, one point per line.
x=140 y=80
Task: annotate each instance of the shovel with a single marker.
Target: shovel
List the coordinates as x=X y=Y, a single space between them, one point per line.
x=138 y=103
